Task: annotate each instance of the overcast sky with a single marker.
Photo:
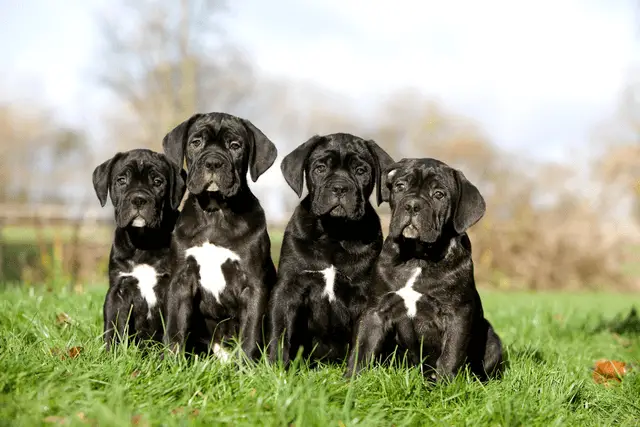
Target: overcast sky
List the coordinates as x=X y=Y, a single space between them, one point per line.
x=536 y=74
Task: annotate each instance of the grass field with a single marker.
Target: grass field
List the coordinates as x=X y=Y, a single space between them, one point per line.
x=552 y=339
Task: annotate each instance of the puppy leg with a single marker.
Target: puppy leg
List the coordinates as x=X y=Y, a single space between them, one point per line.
x=492 y=361
x=285 y=303
x=455 y=344
x=179 y=309
x=255 y=301
x=370 y=335
x=116 y=312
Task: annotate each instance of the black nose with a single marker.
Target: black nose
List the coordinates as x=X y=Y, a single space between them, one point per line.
x=339 y=189
x=413 y=206
x=213 y=164
x=138 y=201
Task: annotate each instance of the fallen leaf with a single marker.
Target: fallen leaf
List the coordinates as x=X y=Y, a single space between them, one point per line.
x=252 y=393
x=558 y=317
x=341 y=424
x=178 y=410
x=74 y=352
x=134 y=374
x=52 y=419
x=138 y=420
x=605 y=371
x=82 y=417
x=194 y=413
x=63 y=319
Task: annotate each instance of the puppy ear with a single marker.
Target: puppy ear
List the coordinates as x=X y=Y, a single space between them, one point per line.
x=382 y=161
x=262 y=152
x=387 y=176
x=177 y=184
x=102 y=179
x=294 y=164
x=173 y=143
x=471 y=206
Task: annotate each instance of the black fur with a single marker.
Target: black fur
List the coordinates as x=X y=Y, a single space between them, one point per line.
x=334 y=225
x=220 y=210
x=432 y=207
x=146 y=189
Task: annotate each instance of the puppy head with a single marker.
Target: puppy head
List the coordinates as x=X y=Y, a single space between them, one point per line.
x=144 y=186
x=341 y=171
x=219 y=150
x=427 y=197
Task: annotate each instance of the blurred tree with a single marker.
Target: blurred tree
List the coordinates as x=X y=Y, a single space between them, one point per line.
x=165 y=60
x=618 y=162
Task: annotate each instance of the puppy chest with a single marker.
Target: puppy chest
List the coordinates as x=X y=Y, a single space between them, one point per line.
x=218 y=268
x=145 y=281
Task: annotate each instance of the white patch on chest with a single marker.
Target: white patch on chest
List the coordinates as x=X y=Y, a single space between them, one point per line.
x=147 y=280
x=210 y=259
x=409 y=295
x=329 y=274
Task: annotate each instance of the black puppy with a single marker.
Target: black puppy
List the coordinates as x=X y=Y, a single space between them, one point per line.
x=329 y=246
x=224 y=271
x=426 y=300
x=146 y=189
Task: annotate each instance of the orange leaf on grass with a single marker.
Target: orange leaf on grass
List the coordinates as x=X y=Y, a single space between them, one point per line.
x=53 y=419
x=606 y=370
x=138 y=420
x=74 y=352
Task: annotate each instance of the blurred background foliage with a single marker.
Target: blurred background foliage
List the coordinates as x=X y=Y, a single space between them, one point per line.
x=549 y=225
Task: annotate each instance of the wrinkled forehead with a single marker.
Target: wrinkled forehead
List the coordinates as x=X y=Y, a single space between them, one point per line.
x=425 y=173
x=141 y=163
x=342 y=149
x=217 y=127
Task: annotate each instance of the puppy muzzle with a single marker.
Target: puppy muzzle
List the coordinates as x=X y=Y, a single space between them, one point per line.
x=212 y=172
x=339 y=198
x=138 y=209
x=412 y=219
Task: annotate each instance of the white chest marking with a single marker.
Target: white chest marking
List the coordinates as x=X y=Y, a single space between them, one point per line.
x=210 y=259
x=329 y=274
x=409 y=295
x=147 y=279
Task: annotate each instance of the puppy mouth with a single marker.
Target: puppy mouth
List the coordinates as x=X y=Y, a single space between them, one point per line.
x=411 y=232
x=139 y=222
x=213 y=187
x=338 y=211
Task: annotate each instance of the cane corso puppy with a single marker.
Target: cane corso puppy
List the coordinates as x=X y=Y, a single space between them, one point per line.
x=224 y=271
x=329 y=247
x=146 y=189
x=426 y=300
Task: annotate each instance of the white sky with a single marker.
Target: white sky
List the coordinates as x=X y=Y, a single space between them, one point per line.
x=537 y=74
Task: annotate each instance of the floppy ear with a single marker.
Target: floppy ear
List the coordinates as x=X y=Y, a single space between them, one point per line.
x=294 y=163
x=471 y=206
x=381 y=162
x=387 y=176
x=102 y=178
x=174 y=142
x=262 y=152
x=176 y=184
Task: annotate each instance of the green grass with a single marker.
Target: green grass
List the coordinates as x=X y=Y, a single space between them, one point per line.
x=552 y=339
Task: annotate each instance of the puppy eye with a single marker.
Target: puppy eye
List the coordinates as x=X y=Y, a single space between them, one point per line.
x=320 y=168
x=157 y=182
x=399 y=186
x=235 y=145
x=195 y=143
x=122 y=180
x=438 y=194
x=361 y=170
